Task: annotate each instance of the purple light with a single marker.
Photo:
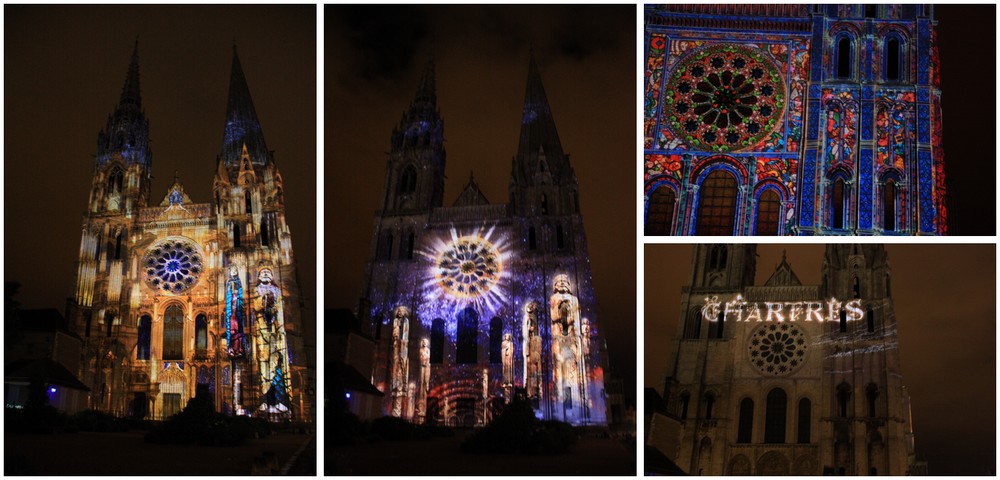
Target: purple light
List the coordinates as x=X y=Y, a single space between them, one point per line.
x=348 y=395
x=52 y=389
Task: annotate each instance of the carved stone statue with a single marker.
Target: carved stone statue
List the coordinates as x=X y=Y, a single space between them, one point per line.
x=569 y=364
x=400 y=359
x=507 y=358
x=532 y=350
x=425 y=380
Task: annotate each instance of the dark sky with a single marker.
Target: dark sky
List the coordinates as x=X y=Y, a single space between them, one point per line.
x=945 y=303
x=64 y=71
x=967 y=83
x=586 y=55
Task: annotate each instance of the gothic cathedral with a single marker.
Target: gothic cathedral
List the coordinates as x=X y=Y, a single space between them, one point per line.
x=176 y=298
x=786 y=378
x=475 y=303
x=792 y=120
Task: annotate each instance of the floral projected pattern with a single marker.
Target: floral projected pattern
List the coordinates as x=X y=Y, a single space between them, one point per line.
x=777 y=349
x=173 y=265
x=725 y=98
x=654 y=75
x=470 y=268
x=664 y=165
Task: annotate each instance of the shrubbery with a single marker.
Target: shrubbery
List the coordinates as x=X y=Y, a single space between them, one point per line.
x=517 y=430
x=200 y=424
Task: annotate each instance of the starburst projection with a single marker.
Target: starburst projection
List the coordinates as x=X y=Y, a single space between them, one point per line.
x=467 y=269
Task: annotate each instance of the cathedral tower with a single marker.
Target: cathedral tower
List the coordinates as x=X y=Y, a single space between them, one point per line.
x=177 y=297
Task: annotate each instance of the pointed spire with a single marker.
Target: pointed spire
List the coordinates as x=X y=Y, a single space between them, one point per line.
x=130 y=91
x=242 y=126
x=538 y=127
x=427 y=91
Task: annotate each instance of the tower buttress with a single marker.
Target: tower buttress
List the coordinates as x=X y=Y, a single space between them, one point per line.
x=723 y=267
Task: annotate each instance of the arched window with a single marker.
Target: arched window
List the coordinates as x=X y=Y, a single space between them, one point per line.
x=709 y=405
x=871 y=394
x=109 y=321
x=265 y=235
x=437 y=341
x=870 y=316
x=236 y=235
x=889 y=206
x=774 y=416
x=118 y=245
x=466 y=350
x=844 y=56
x=115 y=180
x=249 y=202
x=544 y=204
x=660 y=211
x=843 y=320
x=768 y=213
x=692 y=329
x=173 y=333
x=717 y=204
x=745 y=432
x=719 y=324
x=892 y=57
x=385 y=246
x=408 y=180
x=409 y=246
x=560 y=242
x=685 y=401
x=857 y=287
x=843 y=397
x=532 y=242
x=145 y=334
x=496 y=340
x=201 y=333
x=717 y=257
x=805 y=420
x=838 y=203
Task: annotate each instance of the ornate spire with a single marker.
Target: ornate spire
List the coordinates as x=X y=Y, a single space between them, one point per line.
x=242 y=126
x=426 y=92
x=126 y=134
x=538 y=129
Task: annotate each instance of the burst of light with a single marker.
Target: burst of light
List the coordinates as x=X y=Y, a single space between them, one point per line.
x=347 y=395
x=52 y=389
x=466 y=269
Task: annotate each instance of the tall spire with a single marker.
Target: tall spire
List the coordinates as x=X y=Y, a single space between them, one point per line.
x=242 y=126
x=126 y=133
x=426 y=92
x=130 y=91
x=538 y=128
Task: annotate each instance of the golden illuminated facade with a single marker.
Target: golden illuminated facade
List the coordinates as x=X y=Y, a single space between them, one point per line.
x=175 y=297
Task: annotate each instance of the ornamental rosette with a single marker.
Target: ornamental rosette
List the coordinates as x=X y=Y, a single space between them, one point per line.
x=173 y=265
x=777 y=349
x=725 y=98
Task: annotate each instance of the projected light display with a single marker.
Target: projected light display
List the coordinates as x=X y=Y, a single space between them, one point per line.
x=833 y=309
x=467 y=269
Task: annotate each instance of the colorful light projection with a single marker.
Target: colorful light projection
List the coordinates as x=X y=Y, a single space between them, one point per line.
x=466 y=270
x=173 y=265
x=569 y=360
x=400 y=359
x=270 y=344
x=235 y=315
x=714 y=310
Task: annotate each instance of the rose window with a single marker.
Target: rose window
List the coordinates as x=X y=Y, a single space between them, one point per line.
x=777 y=348
x=724 y=98
x=469 y=268
x=172 y=265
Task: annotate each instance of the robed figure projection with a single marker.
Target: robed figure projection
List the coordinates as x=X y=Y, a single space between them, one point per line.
x=235 y=316
x=400 y=359
x=269 y=344
x=569 y=373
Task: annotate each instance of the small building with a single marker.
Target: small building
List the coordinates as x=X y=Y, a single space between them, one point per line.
x=45 y=355
x=350 y=361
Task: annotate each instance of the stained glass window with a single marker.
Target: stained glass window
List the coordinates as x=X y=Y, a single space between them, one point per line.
x=774 y=416
x=145 y=330
x=173 y=331
x=660 y=212
x=201 y=333
x=725 y=98
x=777 y=349
x=889 y=206
x=745 y=432
x=717 y=204
x=768 y=213
x=465 y=350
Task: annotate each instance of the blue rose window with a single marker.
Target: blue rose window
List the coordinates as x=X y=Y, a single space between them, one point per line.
x=777 y=348
x=724 y=98
x=469 y=268
x=173 y=266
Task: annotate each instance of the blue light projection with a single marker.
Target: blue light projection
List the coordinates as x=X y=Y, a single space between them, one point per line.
x=235 y=316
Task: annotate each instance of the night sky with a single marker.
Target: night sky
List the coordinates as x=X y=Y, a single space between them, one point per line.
x=586 y=55
x=944 y=297
x=64 y=71
x=969 y=133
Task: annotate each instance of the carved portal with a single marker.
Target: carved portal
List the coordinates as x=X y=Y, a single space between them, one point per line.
x=773 y=463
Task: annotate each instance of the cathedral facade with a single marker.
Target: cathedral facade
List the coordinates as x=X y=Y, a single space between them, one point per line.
x=792 y=120
x=475 y=303
x=175 y=297
x=785 y=378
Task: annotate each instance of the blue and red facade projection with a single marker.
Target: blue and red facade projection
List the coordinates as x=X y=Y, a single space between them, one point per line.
x=792 y=120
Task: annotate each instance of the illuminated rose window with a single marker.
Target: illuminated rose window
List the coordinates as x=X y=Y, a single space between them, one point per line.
x=777 y=348
x=469 y=268
x=724 y=98
x=172 y=265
